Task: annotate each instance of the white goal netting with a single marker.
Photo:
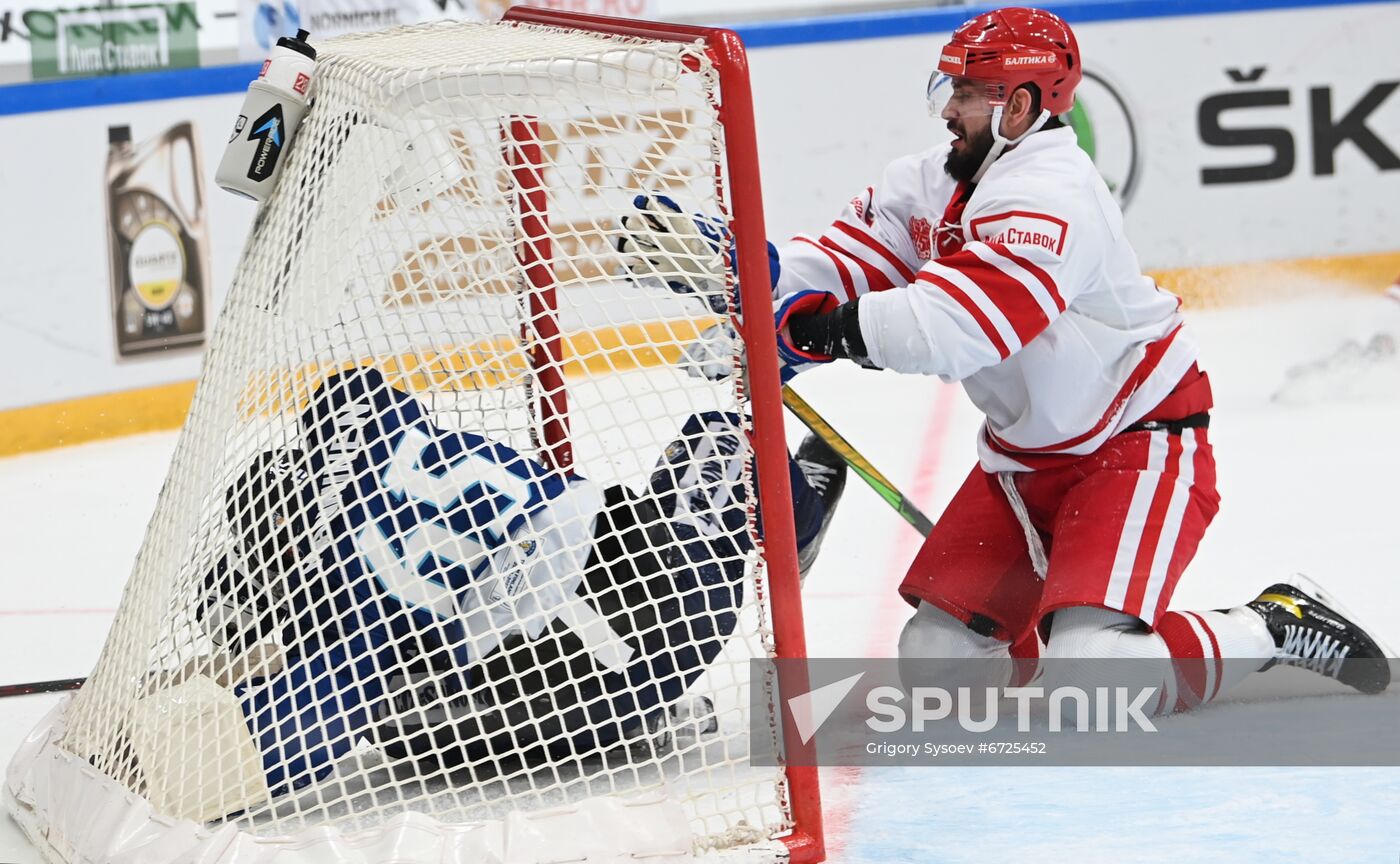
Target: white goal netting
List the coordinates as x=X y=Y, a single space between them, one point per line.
x=454 y=550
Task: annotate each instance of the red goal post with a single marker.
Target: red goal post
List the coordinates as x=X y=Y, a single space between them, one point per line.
x=744 y=194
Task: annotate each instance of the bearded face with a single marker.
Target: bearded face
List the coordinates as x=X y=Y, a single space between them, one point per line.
x=965 y=105
x=970 y=147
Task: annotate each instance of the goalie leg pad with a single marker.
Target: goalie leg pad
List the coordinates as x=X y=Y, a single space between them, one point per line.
x=196 y=753
x=305 y=718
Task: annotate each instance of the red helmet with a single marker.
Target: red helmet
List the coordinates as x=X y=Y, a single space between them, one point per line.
x=1014 y=46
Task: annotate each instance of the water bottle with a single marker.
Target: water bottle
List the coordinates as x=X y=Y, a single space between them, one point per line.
x=272 y=110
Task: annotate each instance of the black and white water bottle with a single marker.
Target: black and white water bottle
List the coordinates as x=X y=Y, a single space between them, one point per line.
x=272 y=110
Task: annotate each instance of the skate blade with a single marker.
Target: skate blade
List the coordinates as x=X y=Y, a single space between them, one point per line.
x=1307 y=585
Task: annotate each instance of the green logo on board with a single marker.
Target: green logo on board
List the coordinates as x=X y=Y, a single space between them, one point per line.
x=109 y=40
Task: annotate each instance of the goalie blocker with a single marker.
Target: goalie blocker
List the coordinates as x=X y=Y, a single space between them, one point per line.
x=461 y=604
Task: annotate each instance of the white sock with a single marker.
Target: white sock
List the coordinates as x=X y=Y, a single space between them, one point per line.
x=1229 y=645
x=969 y=659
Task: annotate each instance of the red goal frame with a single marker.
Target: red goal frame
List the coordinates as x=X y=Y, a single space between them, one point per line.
x=550 y=408
x=806 y=843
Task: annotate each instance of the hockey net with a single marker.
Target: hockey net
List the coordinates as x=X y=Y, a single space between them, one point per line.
x=432 y=383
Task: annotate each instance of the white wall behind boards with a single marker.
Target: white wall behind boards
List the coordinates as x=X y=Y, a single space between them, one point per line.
x=831 y=115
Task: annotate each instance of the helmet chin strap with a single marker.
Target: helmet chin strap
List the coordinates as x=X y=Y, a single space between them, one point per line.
x=1001 y=142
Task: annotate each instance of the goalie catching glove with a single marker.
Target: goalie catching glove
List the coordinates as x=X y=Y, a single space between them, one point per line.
x=685 y=252
x=688 y=253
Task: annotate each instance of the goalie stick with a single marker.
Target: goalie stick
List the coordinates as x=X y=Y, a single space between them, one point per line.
x=57 y=686
x=879 y=482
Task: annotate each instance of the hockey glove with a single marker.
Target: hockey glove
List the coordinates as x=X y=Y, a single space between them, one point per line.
x=807 y=314
x=813 y=327
x=793 y=358
x=689 y=253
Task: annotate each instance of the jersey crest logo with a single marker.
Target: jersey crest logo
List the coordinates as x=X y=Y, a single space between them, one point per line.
x=921 y=232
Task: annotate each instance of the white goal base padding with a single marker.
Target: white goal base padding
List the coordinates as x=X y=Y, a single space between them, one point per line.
x=73 y=813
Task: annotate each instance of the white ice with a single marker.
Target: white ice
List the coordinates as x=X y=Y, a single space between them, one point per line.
x=1307 y=480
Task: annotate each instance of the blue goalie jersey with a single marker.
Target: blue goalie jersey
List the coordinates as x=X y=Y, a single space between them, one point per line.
x=459 y=601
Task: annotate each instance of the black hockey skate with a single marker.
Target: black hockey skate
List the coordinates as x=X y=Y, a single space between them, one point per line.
x=1313 y=635
x=825 y=471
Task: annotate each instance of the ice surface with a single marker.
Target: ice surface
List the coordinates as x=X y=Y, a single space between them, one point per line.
x=1308 y=485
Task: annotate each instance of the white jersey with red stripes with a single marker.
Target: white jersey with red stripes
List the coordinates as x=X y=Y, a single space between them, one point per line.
x=1026 y=290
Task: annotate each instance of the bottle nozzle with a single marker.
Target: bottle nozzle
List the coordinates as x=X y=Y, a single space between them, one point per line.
x=298 y=43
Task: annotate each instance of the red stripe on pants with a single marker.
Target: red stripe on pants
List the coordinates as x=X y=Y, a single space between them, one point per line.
x=1152 y=529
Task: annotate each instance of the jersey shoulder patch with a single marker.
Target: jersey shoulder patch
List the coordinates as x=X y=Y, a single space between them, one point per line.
x=1021 y=228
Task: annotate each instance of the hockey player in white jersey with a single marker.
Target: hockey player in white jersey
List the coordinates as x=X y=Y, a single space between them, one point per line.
x=460 y=603
x=1000 y=261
